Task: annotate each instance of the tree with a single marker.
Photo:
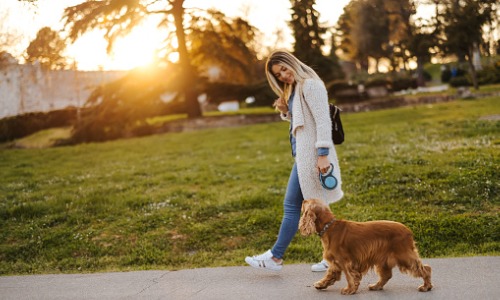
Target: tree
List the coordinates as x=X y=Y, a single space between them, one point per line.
x=47 y=49
x=419 y=45
x=202 y=40
x=337 y=69
x=348 y=41
x=463 y=22
x=225 y=44
x=118 y=18
x=308 y=41
x=423 y=39
x=120 y=108
x=375 y=29
x=399 y=15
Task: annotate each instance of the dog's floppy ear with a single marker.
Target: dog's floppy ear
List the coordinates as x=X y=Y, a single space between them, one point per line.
x=307 y=221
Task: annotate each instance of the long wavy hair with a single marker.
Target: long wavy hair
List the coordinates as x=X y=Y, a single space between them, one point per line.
x=300 y=72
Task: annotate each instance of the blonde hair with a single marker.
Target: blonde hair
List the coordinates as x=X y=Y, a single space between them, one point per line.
x=300 y=72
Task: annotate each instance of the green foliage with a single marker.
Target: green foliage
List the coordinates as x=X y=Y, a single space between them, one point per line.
x=217 y=41
x=400 y=83
x=343 y=91
x=489 y=74
x=460 y=81
x=375 y=29
x=446 y=74
x=19 y=126
x=306 y=28
x=118 y=18
x=208 y=40
x=377 y=81
x=219 y=92
x=121 y=108
x=420 y=44
x=340 y=85
x=463 y=25
x=46 y=49
x=115 y=17
x=211 y=197
x=308 y=34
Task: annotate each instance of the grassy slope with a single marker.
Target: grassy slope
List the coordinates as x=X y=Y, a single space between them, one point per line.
x=211 y=197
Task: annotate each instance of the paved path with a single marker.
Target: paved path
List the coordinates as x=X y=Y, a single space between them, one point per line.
x=453 y=278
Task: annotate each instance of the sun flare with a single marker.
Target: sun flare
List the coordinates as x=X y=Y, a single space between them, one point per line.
x=139 y=48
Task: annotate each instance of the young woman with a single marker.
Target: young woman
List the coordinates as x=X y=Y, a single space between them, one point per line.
x=303 y=101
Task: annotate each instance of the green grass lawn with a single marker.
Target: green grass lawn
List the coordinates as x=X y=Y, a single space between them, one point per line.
x=211 y=197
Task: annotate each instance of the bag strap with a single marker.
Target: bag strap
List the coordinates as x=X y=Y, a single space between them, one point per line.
x=337 y=109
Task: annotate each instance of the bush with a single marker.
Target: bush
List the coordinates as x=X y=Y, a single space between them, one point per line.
x=448 y=74
x=343 y=91
x=377 y=82
x=427 y=76
x=23 y=125
x=489 y=74
x=403 y=83
x=460 y=81
x=218 y=92
x=339 y=85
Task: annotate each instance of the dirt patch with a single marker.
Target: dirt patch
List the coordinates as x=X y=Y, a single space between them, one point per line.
x=490 y=118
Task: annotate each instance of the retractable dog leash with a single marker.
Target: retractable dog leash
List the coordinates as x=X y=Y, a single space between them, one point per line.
x=328 y=181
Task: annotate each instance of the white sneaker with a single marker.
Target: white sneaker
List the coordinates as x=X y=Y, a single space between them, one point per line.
x=322 y=266
x=264 y=261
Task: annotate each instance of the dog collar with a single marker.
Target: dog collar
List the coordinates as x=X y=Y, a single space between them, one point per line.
x=326 y=227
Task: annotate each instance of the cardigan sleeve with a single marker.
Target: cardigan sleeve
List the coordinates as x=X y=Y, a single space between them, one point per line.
x=316 y=98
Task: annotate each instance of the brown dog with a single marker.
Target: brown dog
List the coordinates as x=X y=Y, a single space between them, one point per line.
x=356 y=247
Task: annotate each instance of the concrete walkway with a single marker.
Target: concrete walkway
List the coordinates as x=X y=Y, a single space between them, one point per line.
x=453 y=278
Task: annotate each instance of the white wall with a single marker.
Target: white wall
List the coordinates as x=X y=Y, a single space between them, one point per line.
x=28 y=88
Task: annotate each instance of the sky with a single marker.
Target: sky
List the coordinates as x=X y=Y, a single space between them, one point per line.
x=89 y=51
x=139 y=48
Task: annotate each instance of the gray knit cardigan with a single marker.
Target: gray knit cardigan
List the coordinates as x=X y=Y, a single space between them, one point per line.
x=312 y=129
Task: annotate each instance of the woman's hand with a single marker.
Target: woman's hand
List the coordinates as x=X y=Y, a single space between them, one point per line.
x=323 y=164
x=280 y=105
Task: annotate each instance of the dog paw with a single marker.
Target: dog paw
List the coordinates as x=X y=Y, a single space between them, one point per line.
x=375 y=287
x=320 y=285
x=425 y=288
x=348 y=291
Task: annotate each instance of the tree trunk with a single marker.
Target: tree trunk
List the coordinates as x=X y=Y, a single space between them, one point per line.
x=476 y=57
x=363 y=64
x=188 y=78
x=420 y=71
x=473 y=70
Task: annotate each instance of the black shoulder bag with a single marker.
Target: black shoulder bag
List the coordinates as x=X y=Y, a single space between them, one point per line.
x=337 y=129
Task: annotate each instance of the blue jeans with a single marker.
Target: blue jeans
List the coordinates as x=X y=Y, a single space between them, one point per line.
x=291 y=216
